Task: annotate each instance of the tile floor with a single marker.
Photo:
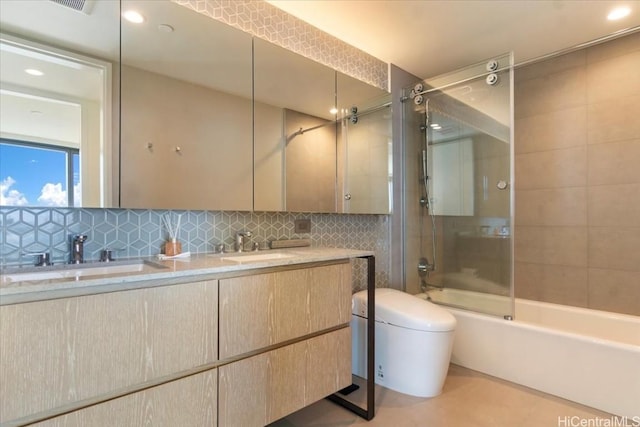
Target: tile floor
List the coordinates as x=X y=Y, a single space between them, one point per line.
x=469 y=399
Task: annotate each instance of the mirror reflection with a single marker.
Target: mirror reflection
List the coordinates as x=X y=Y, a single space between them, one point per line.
x=364 y=147
x=323 y=139
x=56 y=90
x=295 y=137
x=186 y=127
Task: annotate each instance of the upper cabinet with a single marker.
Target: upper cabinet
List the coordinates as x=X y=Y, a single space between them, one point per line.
x=186 y=111
x=179 y=111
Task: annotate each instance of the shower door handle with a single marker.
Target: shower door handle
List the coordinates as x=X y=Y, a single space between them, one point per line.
x=347 y=196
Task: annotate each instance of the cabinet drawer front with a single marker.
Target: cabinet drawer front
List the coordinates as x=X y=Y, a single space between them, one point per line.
x=61 y=351
x=264 y=388
x=188 y=402
x=266 y=309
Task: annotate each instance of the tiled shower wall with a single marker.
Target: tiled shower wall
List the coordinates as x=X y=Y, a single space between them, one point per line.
x=138 y=232
x=577 y=128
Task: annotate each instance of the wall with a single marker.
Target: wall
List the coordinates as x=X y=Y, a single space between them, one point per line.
x=577 y=148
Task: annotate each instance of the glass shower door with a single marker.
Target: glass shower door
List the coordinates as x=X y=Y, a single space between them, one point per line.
x=463 y=191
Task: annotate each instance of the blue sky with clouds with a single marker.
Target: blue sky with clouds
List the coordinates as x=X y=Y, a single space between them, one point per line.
x=32 y=176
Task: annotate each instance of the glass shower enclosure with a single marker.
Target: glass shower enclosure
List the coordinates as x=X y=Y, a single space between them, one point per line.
x=458 y=161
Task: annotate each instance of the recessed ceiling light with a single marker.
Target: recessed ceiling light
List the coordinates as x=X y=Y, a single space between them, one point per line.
x=165 y=28
x=34 y=72
x=334 y=110
x=133 y=16
x=618 y=13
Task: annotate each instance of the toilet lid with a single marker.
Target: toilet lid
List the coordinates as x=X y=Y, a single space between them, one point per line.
x=407 y=311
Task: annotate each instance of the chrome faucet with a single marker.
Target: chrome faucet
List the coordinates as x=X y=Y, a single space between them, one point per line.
x=77 y=249
x=240 y=235
x=41 y=259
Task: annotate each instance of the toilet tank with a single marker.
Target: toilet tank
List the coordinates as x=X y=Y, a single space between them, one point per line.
x=413 y=342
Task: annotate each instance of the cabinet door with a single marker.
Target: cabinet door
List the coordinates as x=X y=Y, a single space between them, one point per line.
x=187 y=402
x=266 y=309
x=242 y=399
x=264 y=388
x=58 y=352
x=328 y=365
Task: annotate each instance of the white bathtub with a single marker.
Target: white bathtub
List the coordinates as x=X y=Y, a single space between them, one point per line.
x=587 y=356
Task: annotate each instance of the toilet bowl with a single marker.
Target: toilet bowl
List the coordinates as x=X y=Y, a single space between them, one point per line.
x=413 y=342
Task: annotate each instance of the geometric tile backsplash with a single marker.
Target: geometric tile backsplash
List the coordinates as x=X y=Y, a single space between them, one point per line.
x=137 y=233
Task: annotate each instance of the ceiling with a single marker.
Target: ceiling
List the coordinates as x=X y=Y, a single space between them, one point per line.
x=431 y=37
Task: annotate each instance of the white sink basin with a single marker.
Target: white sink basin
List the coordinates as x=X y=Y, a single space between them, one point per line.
x=257 y=257
x=77 y=271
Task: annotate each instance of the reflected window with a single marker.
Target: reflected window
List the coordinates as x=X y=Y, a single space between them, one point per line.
x=35 y=174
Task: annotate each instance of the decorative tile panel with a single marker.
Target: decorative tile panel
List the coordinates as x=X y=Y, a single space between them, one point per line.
x=138 y=233
x=267 y=22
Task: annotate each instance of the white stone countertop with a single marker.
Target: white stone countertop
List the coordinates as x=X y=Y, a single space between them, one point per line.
x=93 y=278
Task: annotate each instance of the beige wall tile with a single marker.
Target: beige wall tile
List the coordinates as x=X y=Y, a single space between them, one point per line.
x=620 y=46
x=553 y=92
x=550 y=66
x=614 y=290
x=614 y=120
x=551 y=130
x=562 y=206
x=614 y=206
x=551 y=169
x=551 y=245
x=614 y=163
x=616 y=248
x=614 y=78
x=557 y=284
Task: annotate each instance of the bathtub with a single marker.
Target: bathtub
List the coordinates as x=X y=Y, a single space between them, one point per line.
x=587 y=356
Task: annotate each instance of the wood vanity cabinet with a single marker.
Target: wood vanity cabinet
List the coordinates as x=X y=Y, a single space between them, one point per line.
x=268 y=310
x=59 y=352
x=150 y=356
x=187 y=402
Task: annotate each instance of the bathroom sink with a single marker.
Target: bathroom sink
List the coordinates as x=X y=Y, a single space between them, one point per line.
x=257 y=257
x=76 y=271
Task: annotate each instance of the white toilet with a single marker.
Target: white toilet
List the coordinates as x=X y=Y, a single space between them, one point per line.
x=413 y=342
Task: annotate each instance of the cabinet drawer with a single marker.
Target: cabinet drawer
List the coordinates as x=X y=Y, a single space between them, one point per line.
x=57 y=352
x=187 y=402
x=266 y=309
x=264 y=388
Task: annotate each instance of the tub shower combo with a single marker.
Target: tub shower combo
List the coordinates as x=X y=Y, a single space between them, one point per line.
x=459 y=208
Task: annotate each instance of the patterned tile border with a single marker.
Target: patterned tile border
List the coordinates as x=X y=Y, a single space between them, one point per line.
x=267 y=22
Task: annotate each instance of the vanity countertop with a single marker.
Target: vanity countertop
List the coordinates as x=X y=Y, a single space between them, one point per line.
x=154 y=272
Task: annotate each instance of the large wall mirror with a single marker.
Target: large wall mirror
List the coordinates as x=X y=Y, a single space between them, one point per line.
x=364 y=147
x=295 y=134
x=56 y=103
x=186 y=105
x=322 y=138
x=190 y=119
